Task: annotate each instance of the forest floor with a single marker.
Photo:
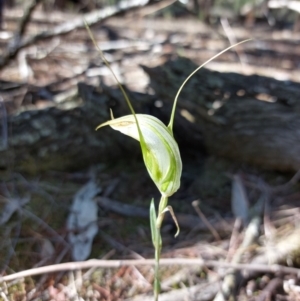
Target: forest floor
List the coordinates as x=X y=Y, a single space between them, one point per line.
x=242 y=254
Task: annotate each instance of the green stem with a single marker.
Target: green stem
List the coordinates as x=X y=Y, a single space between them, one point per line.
x=158 y=245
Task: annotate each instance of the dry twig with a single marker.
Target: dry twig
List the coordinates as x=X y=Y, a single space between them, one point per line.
x=205 y=220
x=269 y=290
x=65 y=28
x=251 y=235
x=275 y=268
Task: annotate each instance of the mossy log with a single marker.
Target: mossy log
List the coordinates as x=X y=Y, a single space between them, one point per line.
x=251 y=119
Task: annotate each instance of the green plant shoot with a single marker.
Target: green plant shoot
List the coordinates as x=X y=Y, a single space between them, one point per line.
x=160 y=153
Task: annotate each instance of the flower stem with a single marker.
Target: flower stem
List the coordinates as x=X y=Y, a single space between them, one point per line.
x=158 y=244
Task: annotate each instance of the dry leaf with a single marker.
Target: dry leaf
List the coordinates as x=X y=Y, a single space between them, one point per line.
x=82 y=222
x=11 y=206
x=239 y=200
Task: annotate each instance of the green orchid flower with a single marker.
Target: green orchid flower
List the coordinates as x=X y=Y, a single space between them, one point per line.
x=160 y=150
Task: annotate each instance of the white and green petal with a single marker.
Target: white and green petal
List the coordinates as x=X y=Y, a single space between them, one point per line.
x=160 y=150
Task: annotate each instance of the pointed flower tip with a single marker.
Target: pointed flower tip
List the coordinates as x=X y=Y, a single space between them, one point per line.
x=101 y=125
x=107 y=122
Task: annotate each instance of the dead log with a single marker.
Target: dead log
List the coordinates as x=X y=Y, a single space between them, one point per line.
x=251 y=119
x=65 y=139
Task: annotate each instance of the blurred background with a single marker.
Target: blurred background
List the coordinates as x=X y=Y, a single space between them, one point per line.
x=70 y=193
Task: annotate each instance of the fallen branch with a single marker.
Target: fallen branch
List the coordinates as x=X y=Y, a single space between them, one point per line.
x=270 y=289
x=14 y=45
x=26 y=17
x=71 y=266
x=64 y=28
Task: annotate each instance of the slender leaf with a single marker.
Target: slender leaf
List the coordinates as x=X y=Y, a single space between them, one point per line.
x=239 y=200
x=142 y=141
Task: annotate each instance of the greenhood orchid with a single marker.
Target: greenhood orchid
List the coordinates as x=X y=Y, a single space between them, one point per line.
x=160 y=153
x=160 y=150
